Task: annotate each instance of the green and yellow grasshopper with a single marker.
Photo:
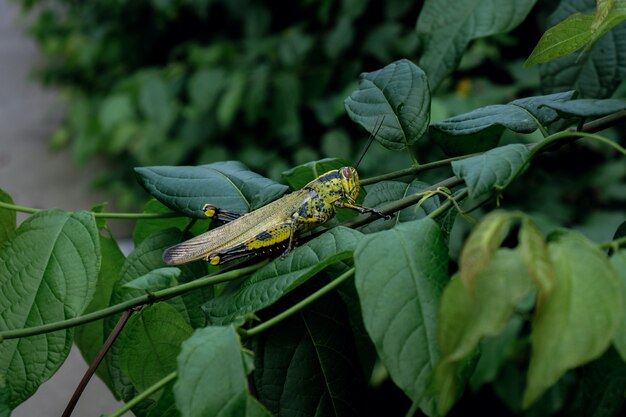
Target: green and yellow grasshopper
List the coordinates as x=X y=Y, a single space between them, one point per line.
x=274 y=225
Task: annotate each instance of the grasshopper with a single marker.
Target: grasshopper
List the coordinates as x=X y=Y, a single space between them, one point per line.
x=275 y=225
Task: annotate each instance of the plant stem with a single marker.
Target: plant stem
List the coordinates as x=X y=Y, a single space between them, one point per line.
x=415 y=169
x=129 y=216
x=160 y=295
x=298 y=306
x=613 y=243
x=96 y=362
x=448 y=204
x=604 y=122
x=148 y=392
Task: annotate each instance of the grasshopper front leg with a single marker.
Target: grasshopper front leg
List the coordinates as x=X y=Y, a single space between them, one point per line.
x=214 y=212
x=362 y=209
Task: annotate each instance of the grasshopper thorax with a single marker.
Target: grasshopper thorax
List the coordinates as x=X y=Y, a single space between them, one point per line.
x=350 y=183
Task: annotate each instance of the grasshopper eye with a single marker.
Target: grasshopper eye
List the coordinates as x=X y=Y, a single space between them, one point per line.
x=350 y=182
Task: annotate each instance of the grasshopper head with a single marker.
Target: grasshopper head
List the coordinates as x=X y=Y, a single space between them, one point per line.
x=350 y=183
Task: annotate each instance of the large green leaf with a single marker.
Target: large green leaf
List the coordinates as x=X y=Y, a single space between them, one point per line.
x=562 y=39
x=400 y=275
x=48 y=273
x=229 y=185
x=446 y=27
x=396 y=95
x=314 y=353
x=595 y=73
x=212 y=376
x=90 y=337
x=579 y=319
x=7 y=218
x=578 y=30
x=468 y=315
x=145 y=258
x=150 y=344
x=491 y=170
x=388 y=191
x=281 y=276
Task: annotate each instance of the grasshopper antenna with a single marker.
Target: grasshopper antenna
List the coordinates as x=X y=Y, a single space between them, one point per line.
x=377 y=126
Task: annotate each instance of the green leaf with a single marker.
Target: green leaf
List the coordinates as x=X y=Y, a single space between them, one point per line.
x=7 y=219
x=608 y=14
x=146 y=227
x=145 y=258
x=398 y=96
x=538 y=106
x=468 y=315
x=482 y=244
x=400 y=275
x=492 y=170
x=562 y=39
x=536 y=258
x=48 y=273
x=597 y=72
x=229 y=185
x=588 y=107
x=281 y=276
x=312 y=352
x=387 y=191
x=578 y=321
x=618 y=261
x=480 y=129
x=298 y=177
x=211 y=376
x=446 y=30
x=156 y=279
x=150 y=344
x=90 y=337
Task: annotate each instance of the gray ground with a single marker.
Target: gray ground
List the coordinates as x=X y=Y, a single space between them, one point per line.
x=36 y=177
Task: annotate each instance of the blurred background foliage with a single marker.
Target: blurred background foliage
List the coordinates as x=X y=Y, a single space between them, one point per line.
x=188 y=82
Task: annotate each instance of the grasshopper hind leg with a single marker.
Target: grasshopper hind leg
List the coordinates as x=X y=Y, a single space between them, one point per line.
x=268 y=241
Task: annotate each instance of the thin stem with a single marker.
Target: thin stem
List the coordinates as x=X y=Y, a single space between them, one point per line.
x=452 y=201
x=129 y=216
x=96 y=362
x=414 y=170
x=613 y=243
x=160 y=295
x=298 y=306
x=148 y=392
x=604 y=122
